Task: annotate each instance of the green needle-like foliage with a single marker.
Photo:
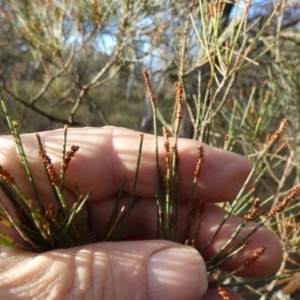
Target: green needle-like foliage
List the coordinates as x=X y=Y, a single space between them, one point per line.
x=44 y=226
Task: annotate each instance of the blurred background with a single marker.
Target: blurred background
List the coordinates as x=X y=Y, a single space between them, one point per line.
x=80 y=62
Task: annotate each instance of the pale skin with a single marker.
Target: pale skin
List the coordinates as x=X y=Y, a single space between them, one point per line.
x=141 y=269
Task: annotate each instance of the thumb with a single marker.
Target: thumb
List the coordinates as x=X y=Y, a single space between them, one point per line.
x=123 y=270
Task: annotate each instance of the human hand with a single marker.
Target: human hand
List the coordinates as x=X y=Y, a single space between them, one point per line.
x=147 y=269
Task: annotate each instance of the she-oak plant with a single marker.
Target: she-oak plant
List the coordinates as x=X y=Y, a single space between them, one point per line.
x=44 y=226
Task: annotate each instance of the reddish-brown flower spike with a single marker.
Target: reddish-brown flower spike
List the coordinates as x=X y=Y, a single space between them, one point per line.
x=255 y=255
x=6 y=176
x=148 y=86
x=285 y=202
x=50 y=168
x=211 y=10
x=220 y=6
x=74 y=148
x=68 y=157
x=199 y=162
x=223 y=293
x=50 y=212
x=279 y=131
x=167 y=142
x=179 y=98
x=249 y=217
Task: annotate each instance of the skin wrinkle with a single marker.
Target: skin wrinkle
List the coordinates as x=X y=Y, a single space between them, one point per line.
x=57 y=283
x=117 y=279
x=99 y=278
x=77 y=289
x=66 y=271
x=57 y=278
x=110 y=278
x=136 y=280
x=89 y=286
x=38 y=280
x=103 y=289
x=113 y=289
x=90 y=289
x=96 y=280
x=93 y=275
x=109 y=286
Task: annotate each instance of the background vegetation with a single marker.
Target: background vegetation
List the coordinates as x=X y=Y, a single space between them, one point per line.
x=80 y=63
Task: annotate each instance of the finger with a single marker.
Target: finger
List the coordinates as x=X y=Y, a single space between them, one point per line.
x=142 y=223
x=125 y=270
x=108 y=156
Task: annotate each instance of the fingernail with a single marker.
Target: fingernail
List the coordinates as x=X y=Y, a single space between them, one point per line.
x=176 y=273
